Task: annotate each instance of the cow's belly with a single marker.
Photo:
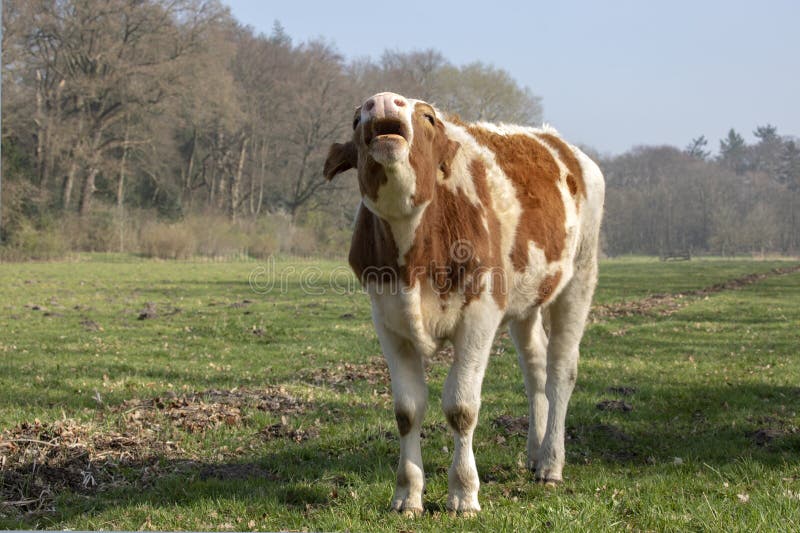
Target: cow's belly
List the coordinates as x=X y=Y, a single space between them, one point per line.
x=418 y=314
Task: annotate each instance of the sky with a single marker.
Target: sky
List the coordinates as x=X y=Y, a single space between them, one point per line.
x=612 y=74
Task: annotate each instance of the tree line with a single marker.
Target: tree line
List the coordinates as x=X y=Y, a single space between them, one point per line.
x=744 y=200
x=172 y=107
x=118 y=113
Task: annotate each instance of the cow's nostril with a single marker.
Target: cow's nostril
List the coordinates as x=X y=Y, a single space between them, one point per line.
x=370 y=105
x=399 y=103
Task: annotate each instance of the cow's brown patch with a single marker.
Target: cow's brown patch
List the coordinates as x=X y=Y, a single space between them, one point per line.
x=404 y=422
x=575 y=182
x=372 y=178
x=449 y=245
x=373 y=252
x=572 y=184
x=548 y=287
x=431 y=151
x=461 y=418
x=534 y=173
x=452 y=246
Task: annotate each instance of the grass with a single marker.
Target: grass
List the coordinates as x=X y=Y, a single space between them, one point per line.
x=300 y=431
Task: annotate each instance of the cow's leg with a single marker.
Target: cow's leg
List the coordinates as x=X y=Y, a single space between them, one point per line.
x=567 y=321
x=407 y=370
x=531 y=343
x=461 y=401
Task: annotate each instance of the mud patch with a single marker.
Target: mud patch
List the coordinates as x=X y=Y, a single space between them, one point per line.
x=614 y=405
x=771 y=431
x=282 y=430
x=151 y=311
x=511 y=425
x=91 y=325
x=148 y=312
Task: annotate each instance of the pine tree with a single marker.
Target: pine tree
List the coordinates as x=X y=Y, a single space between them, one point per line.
x=789 y=167
x=696 y=148
x=733 y=152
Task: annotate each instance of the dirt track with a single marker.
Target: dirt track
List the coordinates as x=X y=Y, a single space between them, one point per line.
x=667 y=304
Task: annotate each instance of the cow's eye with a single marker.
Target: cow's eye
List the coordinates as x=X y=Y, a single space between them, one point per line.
x=356 y=121
x=430 y=118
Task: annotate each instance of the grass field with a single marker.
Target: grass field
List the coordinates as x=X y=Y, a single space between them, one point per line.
x=172 y=395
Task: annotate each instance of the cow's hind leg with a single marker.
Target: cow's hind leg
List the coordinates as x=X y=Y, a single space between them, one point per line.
x=461 y=402
x=407 y=370
x=531 y=343
x=567 y=321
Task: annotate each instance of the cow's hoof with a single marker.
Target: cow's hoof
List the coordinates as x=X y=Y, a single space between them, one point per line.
x=549 y=483
x=463 y=514
x=404 y=507
x=410 y=512
x=463 y=507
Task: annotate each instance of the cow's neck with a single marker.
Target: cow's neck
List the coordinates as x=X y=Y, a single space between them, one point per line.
x=404 y=231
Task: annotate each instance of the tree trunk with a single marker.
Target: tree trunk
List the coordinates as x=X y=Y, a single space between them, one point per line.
x=123 y=159
x=41 y=132
x=236 y=180
x=88 y=191
x=251 y=201
x=69 y=180
x=187 y=179
x=261 y=175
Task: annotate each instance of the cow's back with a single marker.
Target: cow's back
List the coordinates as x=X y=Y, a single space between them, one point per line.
x=548 y=197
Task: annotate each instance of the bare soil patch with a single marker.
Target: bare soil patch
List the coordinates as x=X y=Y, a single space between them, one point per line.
x=771 y=430
x=511 y=425
x=210 y=409
x=282 y=430
x=39 y=460
x=614 y=405
x=344 y=375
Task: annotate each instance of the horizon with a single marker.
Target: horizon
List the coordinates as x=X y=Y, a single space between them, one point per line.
x=654 y=88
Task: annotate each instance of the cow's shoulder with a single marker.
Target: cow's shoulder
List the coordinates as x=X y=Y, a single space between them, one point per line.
x=373 y=251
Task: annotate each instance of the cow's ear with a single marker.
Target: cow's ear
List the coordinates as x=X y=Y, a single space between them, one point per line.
x=341 y=157
x=449 y=154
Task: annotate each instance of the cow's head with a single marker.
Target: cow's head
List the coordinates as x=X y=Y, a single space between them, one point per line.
x=400 y=148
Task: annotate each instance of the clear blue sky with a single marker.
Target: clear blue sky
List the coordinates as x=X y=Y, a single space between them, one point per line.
x=612 y=74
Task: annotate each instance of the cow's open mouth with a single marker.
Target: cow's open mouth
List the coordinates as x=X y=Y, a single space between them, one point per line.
x=387 y=129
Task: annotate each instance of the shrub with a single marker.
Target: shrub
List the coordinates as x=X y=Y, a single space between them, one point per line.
x=167 y=241
x=96 y=232
x=216 y=236
x=28 y=243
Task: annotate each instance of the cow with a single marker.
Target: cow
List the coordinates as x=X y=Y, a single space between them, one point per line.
x=461 y=229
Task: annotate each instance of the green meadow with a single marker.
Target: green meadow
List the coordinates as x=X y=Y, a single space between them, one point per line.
x=238 y=395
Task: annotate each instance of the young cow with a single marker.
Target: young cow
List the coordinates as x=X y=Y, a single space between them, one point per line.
x=462 y=228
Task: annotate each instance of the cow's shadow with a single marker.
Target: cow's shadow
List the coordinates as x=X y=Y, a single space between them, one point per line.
x=697 y=427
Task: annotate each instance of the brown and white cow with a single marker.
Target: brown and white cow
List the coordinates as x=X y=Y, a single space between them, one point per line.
x=461 y=229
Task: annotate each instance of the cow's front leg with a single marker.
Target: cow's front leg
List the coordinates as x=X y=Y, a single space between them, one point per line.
x=461 y=402
x=407 y=370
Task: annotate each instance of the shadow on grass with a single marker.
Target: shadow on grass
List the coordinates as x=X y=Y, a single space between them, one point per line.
x=717 y=426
